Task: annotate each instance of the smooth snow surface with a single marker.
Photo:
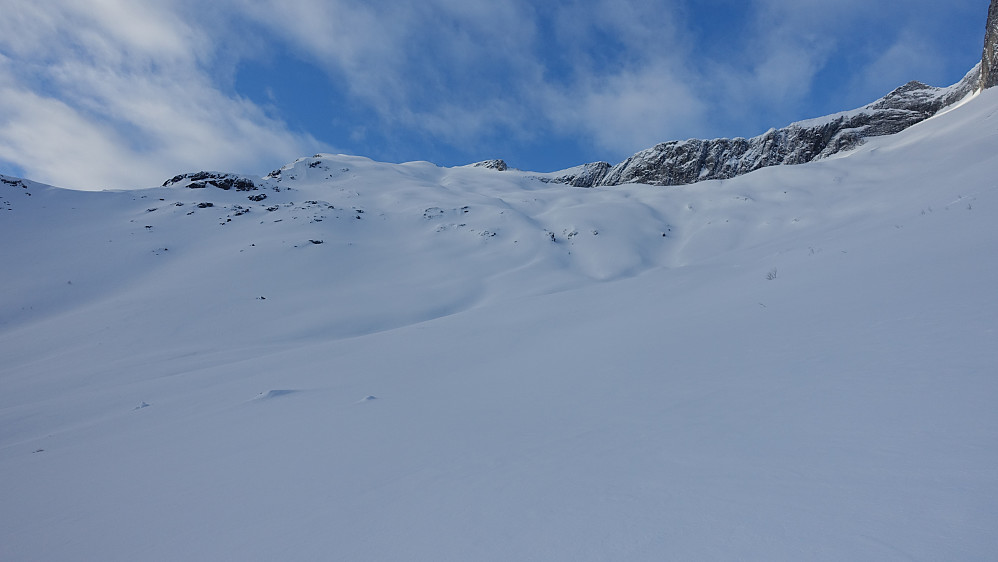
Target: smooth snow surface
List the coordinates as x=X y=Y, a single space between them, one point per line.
x=798 y=364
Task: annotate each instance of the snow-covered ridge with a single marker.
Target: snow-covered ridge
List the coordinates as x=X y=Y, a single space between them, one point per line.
x=695 y=160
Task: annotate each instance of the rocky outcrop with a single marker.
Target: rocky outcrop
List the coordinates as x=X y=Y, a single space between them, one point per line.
x=694 y=160
x=586 y=175
x=499 y=165
x=200 y=180
x=989 y=61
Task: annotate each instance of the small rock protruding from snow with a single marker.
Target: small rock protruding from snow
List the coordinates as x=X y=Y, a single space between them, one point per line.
x=277 y=393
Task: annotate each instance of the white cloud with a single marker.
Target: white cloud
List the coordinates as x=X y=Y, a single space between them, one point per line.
x=876 y=45
x=110 y=95
x=908 y=58
x=51 y=142
x=461 y=70
x=629 y=111
x=149 y=129
x=629 y=85
x=403 y=59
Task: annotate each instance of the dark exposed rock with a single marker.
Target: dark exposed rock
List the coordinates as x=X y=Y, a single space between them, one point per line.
x=244 y=184
x=989 y=60
x=200 y=180
x=14 y=182
x=694 y=160
x=499 y=165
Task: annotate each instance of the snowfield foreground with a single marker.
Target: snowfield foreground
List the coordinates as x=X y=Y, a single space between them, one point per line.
x=405 y=362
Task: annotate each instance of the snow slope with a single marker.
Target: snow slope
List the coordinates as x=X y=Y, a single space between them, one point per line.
x=796 y=364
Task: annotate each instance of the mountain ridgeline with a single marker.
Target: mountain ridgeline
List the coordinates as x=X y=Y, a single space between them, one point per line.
x=694 y=160
x=690 y=161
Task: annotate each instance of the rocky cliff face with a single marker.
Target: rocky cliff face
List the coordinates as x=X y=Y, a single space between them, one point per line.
x=989 y=61
x=690 y=161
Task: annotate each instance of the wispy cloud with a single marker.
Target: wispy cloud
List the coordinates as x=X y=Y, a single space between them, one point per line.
x=410 y=62
x=459 y=70
x=907 y=58
x=632 y=109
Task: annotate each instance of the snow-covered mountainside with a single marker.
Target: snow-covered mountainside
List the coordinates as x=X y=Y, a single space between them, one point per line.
x=694 y=160
x=351 y=360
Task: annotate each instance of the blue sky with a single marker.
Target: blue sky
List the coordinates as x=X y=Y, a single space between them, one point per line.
x=125 y=93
